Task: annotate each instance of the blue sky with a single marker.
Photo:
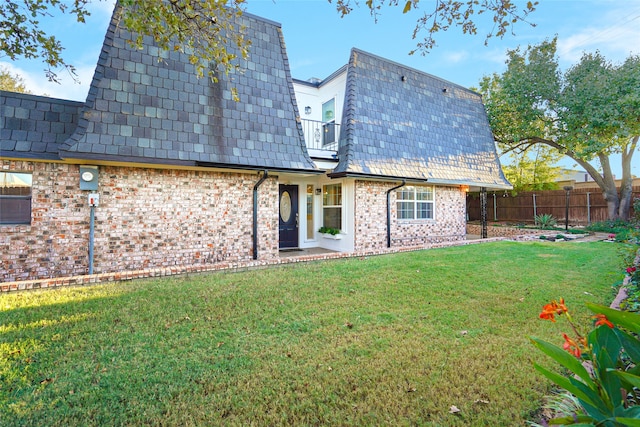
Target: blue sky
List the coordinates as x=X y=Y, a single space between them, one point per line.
x=318 y=41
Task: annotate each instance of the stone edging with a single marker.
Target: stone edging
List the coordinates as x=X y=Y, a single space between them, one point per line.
x=221 y=266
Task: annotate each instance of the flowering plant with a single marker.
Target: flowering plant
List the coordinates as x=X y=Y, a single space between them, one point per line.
x=604 y=364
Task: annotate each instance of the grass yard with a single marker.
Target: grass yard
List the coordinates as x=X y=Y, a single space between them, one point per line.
x=387 y=340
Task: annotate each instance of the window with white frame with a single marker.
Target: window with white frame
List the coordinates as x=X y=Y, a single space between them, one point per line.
x=332 y=206
x=415 y=202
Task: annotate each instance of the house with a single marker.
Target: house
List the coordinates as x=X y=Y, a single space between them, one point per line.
x=159 y=168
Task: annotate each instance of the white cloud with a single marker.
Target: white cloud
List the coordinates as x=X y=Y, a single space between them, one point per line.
x=616 y=36
x=456 y=57
x=35 y=83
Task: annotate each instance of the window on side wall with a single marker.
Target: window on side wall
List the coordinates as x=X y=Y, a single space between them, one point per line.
x=415 y=202
x=15 y=198
x=332 y=206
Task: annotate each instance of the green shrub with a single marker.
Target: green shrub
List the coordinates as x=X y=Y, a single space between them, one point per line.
x=545 y=221
x=329 y=230
x=615 y=226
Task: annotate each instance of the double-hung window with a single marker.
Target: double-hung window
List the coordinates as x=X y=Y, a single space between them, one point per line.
x=415 y=202
x=15 y=198
x=332 y=206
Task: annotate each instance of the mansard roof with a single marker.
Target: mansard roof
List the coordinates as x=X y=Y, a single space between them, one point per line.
x=33 y=127
x=143 y=109
x=402 y=123
x=148 y=106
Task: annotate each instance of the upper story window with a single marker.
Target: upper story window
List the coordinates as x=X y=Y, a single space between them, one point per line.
x=329 y=121
x=329 y=110
x=332 y=206
x=415 y=202
x=15 y=198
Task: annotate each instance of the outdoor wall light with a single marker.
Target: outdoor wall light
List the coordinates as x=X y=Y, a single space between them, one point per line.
x=307 y=110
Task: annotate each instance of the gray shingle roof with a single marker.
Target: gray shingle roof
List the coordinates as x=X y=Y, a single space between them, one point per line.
x=32 y=127
x=143 y=110
x=402 y=123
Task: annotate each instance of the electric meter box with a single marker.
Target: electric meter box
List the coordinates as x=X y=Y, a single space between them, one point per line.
x=89 y=178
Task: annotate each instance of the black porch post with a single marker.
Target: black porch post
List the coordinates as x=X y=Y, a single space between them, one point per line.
x=483 y=211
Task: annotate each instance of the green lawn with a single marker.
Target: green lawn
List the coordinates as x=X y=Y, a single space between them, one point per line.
x=387 y=340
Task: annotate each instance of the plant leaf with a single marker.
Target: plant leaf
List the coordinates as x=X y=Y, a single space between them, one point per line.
x=630 y=343
x=587 y=396
x=634 y=380
x=584 y=420
x=565 y=359
x=631 y=422
x=606 y=348
x=625 y=319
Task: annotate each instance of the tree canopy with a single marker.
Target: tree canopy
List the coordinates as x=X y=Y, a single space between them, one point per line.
x=587 y=112
x=12 y=82
x=206 y=28
x=532 y=169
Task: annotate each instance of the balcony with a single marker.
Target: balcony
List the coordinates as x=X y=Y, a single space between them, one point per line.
x=321 y=137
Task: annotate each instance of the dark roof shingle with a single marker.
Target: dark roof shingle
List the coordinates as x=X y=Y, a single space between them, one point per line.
x=399 y=122
x=33 y=127
x=149 y=106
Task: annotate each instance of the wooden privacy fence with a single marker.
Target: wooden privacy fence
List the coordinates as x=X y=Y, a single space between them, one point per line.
x=586 y=205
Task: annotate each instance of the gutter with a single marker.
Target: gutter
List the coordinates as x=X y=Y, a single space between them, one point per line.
x=404 y=182
x=255 y=212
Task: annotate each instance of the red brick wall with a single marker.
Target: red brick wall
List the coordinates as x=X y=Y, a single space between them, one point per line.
x=146 y=218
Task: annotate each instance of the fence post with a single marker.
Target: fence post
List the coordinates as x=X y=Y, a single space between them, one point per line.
x=535 y=210
x=588 y=208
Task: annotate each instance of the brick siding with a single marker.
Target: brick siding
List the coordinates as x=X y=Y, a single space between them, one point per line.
x=371 y=218
x=147 y=218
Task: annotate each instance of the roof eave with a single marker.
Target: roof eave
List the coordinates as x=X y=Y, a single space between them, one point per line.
x=337 y=175
x=258 y=168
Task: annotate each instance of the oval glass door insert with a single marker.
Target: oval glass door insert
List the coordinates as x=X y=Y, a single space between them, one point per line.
x=285 y=206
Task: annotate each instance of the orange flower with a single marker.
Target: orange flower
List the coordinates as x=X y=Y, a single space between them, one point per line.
x=553 y=308
x=571 y=346
x=602 y=320
x=561 y=307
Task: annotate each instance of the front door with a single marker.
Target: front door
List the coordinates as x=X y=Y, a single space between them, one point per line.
x=288 y=223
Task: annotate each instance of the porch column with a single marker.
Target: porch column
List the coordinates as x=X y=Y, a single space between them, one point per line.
x=483 y=211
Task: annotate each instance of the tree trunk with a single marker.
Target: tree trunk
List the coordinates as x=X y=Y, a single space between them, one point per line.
x=609 y=190
x=626 y=186
x=618 y=205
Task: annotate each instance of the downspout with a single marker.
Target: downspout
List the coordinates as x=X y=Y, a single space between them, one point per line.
x=255 y=213
x=404 y=182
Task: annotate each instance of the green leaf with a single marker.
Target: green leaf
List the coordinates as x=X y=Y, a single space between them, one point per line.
x=631 y=422
x=630 y=344
x=632 y=412
x=624 y=319
x=606 y=348
x=634 y=380
x=584 y=420
x=585 y=394
x=565 y=359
